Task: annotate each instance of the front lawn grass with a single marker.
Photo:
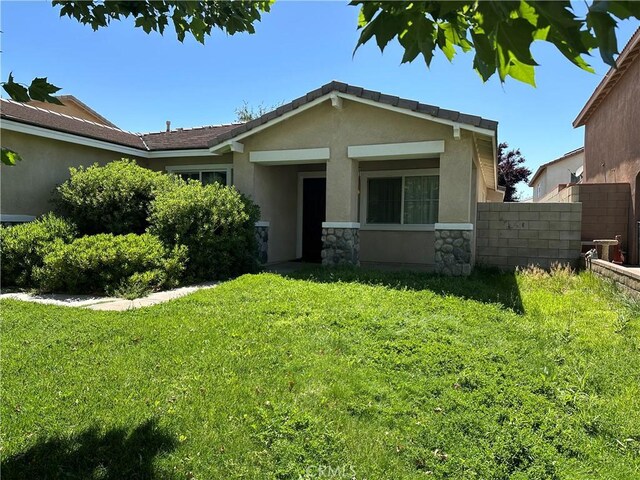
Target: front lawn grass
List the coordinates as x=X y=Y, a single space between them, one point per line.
x=347 y=373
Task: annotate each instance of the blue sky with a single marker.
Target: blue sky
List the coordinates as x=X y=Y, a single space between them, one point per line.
x=139 y=81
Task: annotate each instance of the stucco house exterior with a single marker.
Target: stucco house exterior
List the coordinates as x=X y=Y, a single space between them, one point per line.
x=341 y=174
x=558 y=172
x=611 y=118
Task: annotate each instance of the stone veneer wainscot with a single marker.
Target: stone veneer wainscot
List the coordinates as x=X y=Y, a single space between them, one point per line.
x=340 y=243
x=453 y=244
x=262 y=237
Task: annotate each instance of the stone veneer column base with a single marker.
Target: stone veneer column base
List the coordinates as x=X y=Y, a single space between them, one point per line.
x=453 y=242
x=340 y=243
x=262 y=238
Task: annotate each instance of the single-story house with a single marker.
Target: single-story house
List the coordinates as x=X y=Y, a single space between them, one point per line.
x=562 y=171
x=341 y=174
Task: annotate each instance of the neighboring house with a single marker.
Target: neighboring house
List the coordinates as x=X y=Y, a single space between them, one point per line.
x=342 y=173
x=561 y=171
x=611 y=118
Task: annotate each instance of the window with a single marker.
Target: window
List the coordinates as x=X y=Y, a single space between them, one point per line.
x=207 y=174
x=400 y=198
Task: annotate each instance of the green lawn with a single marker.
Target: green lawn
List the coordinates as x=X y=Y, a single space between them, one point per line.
x=334 y=374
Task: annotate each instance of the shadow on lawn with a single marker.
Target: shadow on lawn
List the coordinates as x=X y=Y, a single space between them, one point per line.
x=483 y=285
x=91 y=454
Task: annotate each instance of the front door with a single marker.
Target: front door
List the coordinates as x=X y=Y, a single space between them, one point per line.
x=314 y=202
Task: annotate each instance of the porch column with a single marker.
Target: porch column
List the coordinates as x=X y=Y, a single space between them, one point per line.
x=453 y=239
x=340 y=231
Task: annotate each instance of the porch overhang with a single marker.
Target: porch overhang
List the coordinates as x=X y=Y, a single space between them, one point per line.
x=290 y=157
x=396 y=151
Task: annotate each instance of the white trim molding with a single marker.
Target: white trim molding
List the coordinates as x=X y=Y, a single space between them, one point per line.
x=290 y=157
x=70 y=138
x=222 y=147
x=340 y=225
x=20 y=127
x=262 y=223
x=336 y=101
x=396 y=151
x=454 y=226
x=394 y=227
x=10 y=218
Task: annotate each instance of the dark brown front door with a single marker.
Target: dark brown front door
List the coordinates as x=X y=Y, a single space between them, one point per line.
x=314 y=201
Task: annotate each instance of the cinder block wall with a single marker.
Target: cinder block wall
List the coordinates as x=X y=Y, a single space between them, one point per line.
x=605 y=210
x=520 y=234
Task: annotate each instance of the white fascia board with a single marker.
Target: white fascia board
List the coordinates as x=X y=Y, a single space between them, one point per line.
x=454 y=226
x=281 y=118
x=426 y=116
x=393 y=151
x=290 y=157
x=199 y=152
x=340 y=225
x=34 y=130
x=69 y=138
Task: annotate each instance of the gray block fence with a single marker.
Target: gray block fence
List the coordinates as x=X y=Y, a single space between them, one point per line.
x=513 y=235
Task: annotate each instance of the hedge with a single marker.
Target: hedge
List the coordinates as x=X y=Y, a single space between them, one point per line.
x=214 y=222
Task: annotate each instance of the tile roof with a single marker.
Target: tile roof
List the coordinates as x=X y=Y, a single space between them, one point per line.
x=204 y=137
x=365 y=94
x=188 y=138
x=24 y=113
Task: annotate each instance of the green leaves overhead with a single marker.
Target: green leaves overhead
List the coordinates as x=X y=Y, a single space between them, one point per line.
x=42 y=90
x=500 y=32
x=39 y=89
x=196 y=18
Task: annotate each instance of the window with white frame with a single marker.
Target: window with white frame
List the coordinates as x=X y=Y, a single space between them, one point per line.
x=207 y=174
x=398 y=199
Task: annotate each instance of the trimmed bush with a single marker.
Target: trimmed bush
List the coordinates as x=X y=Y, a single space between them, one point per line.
x=215 y=223
x=114 y=198
x=23 y=247
x=107 y=263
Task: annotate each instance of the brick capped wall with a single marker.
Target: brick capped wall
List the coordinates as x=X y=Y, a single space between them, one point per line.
x=520 y=234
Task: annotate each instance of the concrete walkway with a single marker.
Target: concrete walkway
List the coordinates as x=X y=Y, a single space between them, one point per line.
x=107 y=303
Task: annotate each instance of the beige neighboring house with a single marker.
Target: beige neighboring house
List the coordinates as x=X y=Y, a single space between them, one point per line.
x=556 y=174
x=341 y=174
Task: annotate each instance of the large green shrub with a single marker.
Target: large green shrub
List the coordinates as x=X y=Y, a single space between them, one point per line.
x=114 y=198
x=106 y=263
x=23 y=247
x=215 y=223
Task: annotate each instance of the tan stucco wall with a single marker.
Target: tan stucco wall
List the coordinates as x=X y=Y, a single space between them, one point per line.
x=612 y=138
x=160 y=164
x=355 y=124
x=325 y=126
x=26 y=188
x=397 y=247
